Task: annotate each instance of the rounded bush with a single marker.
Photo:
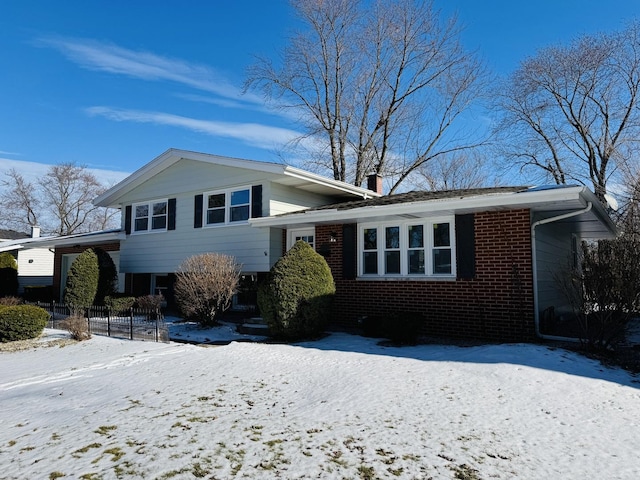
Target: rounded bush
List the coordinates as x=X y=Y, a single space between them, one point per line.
x=8 y=261
x=297 y=296
x=82 y=281
x=22 y=322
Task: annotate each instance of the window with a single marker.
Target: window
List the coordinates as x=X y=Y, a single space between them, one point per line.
x=304 y=234
x=150 y=216
x=229 y=206
x=408 y=249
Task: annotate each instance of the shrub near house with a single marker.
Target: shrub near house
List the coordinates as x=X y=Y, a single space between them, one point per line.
x=21 y=322
x=297 y=297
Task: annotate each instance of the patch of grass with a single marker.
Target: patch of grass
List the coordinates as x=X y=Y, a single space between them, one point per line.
x=55 y=436
x=105 y=429
x=198 y=471
x=396 y=472
x=87 y=448
x=115 y=452
x=27 y=449
x=366 y=473
x=54 y=475
x=11 y=443
x=90 y=476
x=464 y=472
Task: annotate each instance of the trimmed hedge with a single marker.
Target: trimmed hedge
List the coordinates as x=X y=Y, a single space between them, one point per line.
x=21 y=322
x=297 y=297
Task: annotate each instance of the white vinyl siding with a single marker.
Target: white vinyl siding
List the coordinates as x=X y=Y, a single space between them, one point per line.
x=256 y=249
x=554 y=257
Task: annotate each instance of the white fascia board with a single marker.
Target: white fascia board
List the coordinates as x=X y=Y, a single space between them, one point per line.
x=167 y=159
x=171 y=156
x=9 y=248
x=431 y=207
x=335 y=184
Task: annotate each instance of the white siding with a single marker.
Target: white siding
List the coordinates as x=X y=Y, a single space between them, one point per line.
x=35 y=268
x=256 y=249
x=283 y=199
x=554 y=259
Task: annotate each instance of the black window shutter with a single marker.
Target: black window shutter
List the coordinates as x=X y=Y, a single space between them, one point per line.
x=171 y=214
x=197 y=211
x=256 y=201
x=349 y=256
x=127 y=219
x=465 y=246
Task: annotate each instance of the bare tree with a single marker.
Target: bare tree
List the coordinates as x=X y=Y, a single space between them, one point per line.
x=19 y=202
x=572 y=111
x=379 y=86
x=59 y=201
x=205 y=285
x=452 y=172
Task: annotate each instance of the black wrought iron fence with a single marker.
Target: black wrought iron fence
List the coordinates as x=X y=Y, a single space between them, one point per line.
x=132 y=323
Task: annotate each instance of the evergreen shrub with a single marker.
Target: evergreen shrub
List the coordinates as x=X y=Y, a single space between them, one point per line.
x=297 y=296
x=118 y=304
x=82 y=281
x=21 y=322
x=107 y=277
x=8 y=261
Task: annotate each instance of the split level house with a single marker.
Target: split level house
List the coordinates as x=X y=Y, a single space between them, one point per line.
x=480 y=263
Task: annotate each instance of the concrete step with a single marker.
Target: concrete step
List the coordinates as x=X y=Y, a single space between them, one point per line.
x=253 y=329
x=255 y=321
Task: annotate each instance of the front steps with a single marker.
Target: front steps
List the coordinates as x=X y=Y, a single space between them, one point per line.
x=254 y=326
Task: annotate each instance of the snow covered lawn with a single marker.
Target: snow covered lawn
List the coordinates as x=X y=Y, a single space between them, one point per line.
x=342 y=407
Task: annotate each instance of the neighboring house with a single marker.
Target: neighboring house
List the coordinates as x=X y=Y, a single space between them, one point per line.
x=480 y=263
x=35 y=262
x=185 y=203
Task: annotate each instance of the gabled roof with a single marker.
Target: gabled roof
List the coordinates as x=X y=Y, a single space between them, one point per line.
x=288 y=176
x=543 y=202
x=12 y=235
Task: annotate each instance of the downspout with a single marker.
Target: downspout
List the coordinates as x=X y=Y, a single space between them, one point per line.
x=536 y=313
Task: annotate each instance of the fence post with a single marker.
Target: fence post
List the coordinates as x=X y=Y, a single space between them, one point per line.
x=108 y=322
x=53 y=310
x=157 y=327
x=88 y=310
x=131 y=323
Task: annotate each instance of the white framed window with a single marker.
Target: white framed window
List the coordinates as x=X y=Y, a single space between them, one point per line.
x=407 y=249
x=150 y=216
x=304 y=234
x=227 y=206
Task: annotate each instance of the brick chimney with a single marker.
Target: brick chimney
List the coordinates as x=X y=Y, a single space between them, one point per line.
x=374 y=183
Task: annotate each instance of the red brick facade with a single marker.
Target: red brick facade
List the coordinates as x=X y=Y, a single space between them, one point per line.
x=497 y=303
x=60 y=251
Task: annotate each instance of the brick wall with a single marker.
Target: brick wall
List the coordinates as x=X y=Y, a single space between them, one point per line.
x=57 y=259
x=496 y=304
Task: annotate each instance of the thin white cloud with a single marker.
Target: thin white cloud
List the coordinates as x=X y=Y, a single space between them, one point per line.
x=254 y=134
x=111 y=58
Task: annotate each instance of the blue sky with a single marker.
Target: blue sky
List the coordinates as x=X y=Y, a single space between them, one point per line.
x=112 y=84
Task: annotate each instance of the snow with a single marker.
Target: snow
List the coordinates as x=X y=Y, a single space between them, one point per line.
x=341 y=407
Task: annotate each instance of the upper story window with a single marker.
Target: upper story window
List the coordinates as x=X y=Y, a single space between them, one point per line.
x=151 y=216
x=229 y=206
x=411 y=249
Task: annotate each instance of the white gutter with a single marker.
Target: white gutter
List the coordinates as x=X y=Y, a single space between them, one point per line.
x=536 y=314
